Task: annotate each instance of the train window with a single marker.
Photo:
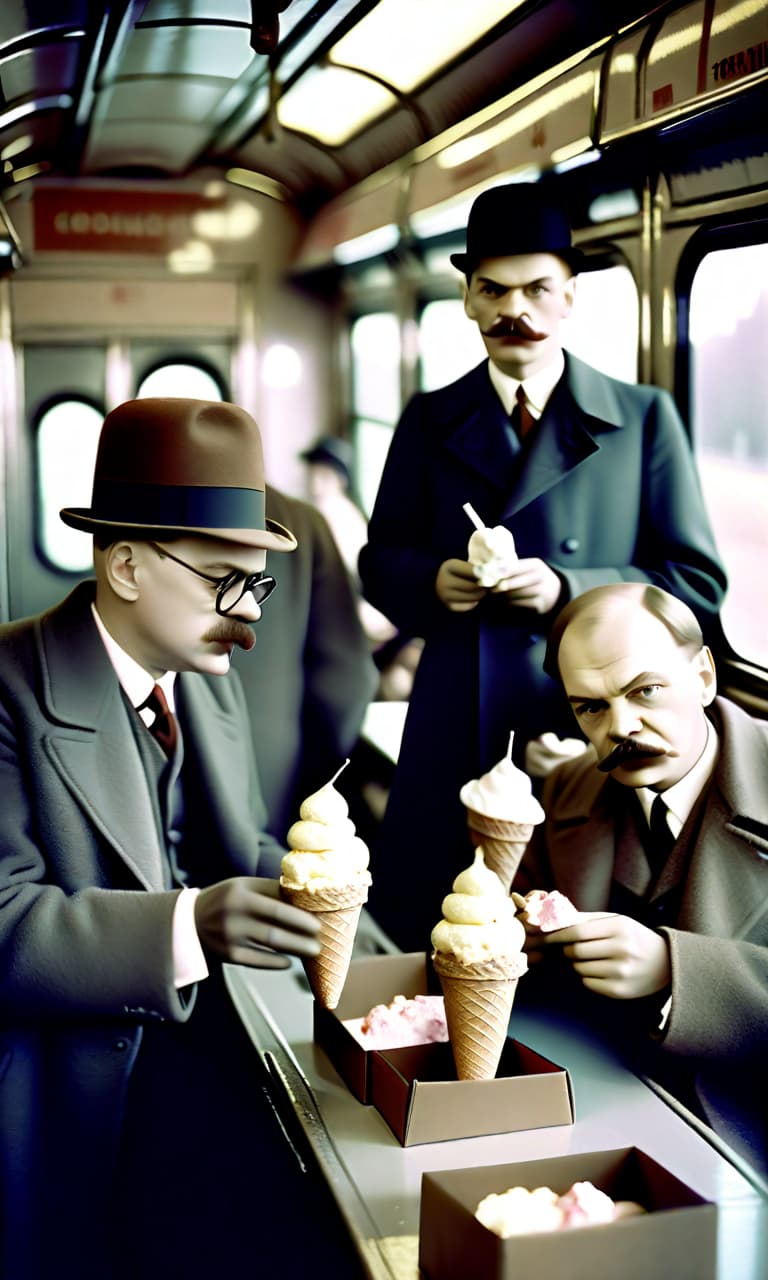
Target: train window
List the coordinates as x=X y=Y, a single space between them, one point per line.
x=66 y=438
x=728 y=332
x=375 y=370
x=180 y=378
x=604 y=327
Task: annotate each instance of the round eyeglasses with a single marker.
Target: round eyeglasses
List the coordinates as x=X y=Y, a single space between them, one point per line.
x=232 y=587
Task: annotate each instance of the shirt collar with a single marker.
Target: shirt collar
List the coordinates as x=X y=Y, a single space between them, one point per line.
x=538 y=387
x=681 y=797
x=136 y=682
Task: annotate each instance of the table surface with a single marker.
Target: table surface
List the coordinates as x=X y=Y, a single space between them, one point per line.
x=376 y=1182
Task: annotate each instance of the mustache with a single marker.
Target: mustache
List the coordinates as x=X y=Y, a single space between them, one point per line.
x=628 y=749
x=514 y=329
x=233 y=632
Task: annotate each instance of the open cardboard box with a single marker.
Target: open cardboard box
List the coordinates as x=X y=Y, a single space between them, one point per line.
x=416 y=1089
x=676 y=1237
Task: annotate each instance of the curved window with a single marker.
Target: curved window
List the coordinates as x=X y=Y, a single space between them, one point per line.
x=604 y=326
x=449 y=343
x=375 y=370
x=66 y=438
x=728 y=333
x=179 y=378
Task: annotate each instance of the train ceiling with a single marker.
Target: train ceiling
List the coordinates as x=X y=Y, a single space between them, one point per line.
x=305 y=97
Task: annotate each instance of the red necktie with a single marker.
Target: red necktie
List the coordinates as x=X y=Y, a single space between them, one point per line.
x=163 y=727
x=522 y=418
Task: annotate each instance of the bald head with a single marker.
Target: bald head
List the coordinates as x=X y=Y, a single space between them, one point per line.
x=638 y=677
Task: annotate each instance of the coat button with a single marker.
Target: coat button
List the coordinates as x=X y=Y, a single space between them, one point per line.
x=570 y=544
x=121 y=1045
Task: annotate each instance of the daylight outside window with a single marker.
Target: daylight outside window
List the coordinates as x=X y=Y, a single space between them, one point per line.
x=67 y=437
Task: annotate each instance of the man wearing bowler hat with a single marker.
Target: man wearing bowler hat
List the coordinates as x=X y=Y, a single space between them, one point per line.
x=135 y=1138
x=595 y=480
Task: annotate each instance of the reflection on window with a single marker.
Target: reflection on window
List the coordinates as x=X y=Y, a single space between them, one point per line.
x=180 y=379
x=67 y=436
x=449 y=343
x=375 y=341
x=371 y=440
x=729 y=416
x=603 y=328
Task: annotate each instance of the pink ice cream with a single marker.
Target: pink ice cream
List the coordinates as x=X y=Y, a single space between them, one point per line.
x=519 y=1211
x=548 y=911
x=400 y=1023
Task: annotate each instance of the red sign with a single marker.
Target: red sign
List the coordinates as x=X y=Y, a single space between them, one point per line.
x=72 y=220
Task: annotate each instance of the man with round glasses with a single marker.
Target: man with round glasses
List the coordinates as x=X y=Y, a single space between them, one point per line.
x=132 y=1111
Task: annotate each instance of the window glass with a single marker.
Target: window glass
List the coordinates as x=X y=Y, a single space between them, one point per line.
x=371 y=441
x=449 y=343
x=375 y=349
x=180 y=379
x=604 y=326
x=67 y=436
x=729 y=417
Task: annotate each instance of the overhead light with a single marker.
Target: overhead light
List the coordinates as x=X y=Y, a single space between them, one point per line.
x=404 y=42
x=257 y=182
x=235 y=222
x=57 y=101
x=614 y=204
x=331 y=104
x=192 y=257
x=31 y=171
x=17 y=146
x=369 y=245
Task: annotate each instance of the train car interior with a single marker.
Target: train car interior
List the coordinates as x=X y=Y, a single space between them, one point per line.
x=256 y=201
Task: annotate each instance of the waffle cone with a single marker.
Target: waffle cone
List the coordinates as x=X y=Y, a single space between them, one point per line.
x=338 y=914
x=477 y=1011
x=504 y=843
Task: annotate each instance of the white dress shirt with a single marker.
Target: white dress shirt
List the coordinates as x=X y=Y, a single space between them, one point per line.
x=189 y=963
x=538 y=387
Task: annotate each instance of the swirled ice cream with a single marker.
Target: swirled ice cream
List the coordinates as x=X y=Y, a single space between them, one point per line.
x=479 y=924
x=326 y=871
x=478 y=958
x=501 y=814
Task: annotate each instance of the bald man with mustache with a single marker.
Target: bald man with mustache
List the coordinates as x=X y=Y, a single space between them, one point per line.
x=671 y=950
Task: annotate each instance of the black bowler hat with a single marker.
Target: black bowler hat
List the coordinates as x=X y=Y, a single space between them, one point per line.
x=172 y=465
x=334 y=452
x=516 y=218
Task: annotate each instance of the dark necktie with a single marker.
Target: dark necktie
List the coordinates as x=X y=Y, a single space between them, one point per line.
x=662 y=839
x=164 y=727
x=522 y=418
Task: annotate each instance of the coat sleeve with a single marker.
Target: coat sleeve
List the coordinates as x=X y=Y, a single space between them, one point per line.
x=399 y=564
x=719 y=998
x=675 y=546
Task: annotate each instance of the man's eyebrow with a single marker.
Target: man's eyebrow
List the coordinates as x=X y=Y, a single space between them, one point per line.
x=526 y=284
x=642 y=679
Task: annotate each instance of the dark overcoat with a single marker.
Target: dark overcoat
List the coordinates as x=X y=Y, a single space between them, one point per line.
x=604 y=491
x=86 y=904
x=716 y=927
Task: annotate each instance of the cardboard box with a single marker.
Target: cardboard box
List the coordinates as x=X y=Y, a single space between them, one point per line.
x=418 y=1095
x=415 y=1089
x=676 y=1237
x=372 y=980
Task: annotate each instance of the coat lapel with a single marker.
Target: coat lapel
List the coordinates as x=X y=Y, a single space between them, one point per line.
x=477 y=433
x=91 y=743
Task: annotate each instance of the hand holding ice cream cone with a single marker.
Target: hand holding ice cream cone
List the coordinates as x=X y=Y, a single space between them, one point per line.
x=501 y=814
x=491 y=550
x=478 y=959
x=327 y=872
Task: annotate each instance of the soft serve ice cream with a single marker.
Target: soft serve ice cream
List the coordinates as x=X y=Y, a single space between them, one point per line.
x=326 y=871
x=519 y=1211
x=478 y=958
x=490 y=551
x=501 y=814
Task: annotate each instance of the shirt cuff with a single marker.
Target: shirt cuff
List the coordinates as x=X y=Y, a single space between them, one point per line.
x=189 y=964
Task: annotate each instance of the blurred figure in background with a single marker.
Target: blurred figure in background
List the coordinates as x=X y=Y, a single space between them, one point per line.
x=321 y=675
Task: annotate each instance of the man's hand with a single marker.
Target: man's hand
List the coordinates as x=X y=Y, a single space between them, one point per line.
x=615 y=955
x=457 y=587
x=239 y=919
x=531 y=585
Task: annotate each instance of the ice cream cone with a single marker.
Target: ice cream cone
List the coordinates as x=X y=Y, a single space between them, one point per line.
x=478 y=1004
x=338 y=914
x=503 y=843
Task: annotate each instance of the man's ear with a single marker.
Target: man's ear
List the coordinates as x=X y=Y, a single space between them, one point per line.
x=569 y=296
x=705 y=667
x=469 y=310
x=120 y=570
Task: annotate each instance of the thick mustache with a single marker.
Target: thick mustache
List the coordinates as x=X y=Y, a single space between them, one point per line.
x=514 y=329
x=626 y=750
x=231 y=633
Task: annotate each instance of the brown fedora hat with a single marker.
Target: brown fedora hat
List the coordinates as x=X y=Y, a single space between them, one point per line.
x=181 y=466
x=516 y=218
